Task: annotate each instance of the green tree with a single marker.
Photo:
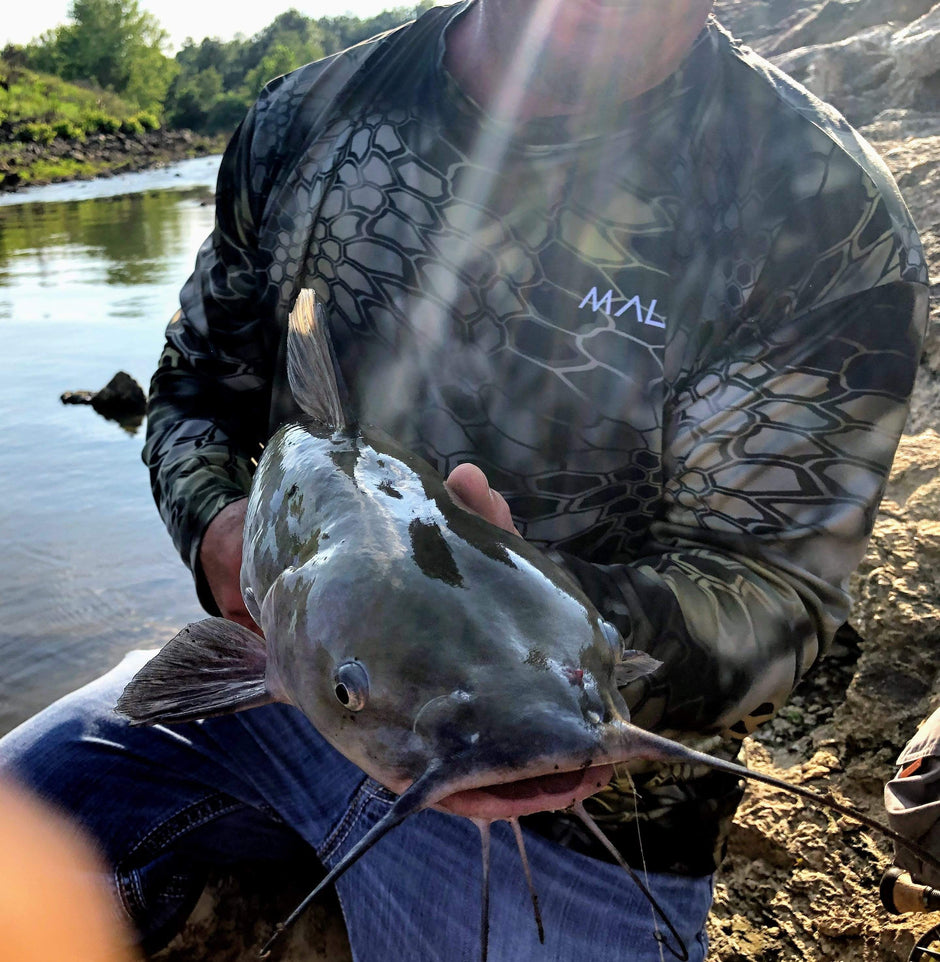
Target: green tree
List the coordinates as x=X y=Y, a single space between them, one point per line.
x=191 y=97
x=278 y=60
x=113 y=44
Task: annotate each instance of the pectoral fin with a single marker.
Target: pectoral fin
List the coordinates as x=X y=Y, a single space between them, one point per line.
x=211 y=667
x=634 y=664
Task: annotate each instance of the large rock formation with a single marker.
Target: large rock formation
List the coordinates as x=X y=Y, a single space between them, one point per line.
x=799 y=884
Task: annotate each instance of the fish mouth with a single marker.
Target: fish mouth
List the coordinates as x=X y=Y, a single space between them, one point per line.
x=526 y=796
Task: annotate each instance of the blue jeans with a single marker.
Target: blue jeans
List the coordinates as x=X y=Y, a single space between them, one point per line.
x=165 y=802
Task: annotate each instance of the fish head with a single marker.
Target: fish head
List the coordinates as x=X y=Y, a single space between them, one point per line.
x=502 y=680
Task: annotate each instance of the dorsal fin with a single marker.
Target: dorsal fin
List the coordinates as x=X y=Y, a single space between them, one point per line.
x=312 y=371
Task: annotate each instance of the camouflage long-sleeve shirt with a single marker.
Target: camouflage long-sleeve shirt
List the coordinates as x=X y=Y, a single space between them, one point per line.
x=680 y=343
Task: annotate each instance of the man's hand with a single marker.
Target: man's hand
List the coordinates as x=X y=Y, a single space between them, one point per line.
x=473 y=491
x=220 y=556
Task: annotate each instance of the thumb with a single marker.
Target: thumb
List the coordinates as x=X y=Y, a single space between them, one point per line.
x=473 y=491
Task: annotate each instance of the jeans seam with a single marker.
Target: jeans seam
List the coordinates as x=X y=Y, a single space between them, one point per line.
x=354 y=810
x=187 y=818
x=127 y=878
x=376 y=791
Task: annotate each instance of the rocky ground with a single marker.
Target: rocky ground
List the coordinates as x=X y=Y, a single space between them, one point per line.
x=800 y=884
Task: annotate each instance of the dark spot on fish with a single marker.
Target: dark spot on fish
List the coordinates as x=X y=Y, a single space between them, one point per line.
x=479 y=535
x=536 y=658
x=295 y=506
x=292 y=490
x=432 y=553
x=346 y=459
x=386 y=487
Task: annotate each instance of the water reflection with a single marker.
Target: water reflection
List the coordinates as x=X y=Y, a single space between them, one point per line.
x=132 y=235
x=87 y=571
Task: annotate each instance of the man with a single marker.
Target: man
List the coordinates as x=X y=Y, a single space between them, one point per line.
x=599 y=257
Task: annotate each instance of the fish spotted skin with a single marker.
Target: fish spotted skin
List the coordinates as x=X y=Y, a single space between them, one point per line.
x=479 y=651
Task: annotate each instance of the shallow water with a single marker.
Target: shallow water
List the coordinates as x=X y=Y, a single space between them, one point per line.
x=89 y=277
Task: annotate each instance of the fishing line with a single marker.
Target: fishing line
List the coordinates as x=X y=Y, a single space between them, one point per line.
x=683 y=953
x=657 y=934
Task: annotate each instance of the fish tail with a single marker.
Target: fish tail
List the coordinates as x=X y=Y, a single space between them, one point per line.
x=312 y=370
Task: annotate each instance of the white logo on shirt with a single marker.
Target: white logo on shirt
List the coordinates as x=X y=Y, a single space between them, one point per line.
x=605 y=305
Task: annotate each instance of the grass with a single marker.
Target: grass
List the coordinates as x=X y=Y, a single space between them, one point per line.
x=43 y=118
x=37 y=108
x=58 y=169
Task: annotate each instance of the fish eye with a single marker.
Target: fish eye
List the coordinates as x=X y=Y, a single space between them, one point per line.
x=351 y=685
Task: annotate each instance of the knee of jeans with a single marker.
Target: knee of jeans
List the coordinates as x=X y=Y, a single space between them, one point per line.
x=159 y=897
x=161 y=878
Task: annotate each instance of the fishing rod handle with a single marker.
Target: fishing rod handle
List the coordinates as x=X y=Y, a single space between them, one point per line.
x=901 y=894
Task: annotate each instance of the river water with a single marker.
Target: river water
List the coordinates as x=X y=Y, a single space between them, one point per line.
x=89 y=277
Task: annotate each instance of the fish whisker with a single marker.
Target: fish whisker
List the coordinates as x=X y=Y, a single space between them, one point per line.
x=421 y=793
x=520 y=843
x=683 y=953
x=483 y=824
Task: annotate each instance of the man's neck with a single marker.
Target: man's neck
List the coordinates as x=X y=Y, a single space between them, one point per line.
x=521 y=60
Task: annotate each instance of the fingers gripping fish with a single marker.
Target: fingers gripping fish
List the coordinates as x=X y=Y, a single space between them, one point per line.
x=448 y=658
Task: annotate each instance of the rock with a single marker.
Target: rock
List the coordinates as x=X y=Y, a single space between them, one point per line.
x=860 y=55
x=121 y=399
x=916 y=48
x=838 y=20
x=845 y=74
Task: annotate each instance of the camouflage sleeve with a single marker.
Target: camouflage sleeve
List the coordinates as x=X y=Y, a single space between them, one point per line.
x=776 y=455
x=208 y=401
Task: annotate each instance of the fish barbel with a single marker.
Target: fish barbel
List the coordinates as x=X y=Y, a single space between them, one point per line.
x=448 y=658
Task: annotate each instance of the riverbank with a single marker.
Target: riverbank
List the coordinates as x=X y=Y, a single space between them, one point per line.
x=98 y=155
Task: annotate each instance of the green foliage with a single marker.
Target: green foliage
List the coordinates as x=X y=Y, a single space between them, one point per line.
x=68 y=130
x=147 y=121
x=218 y=81
x=113 y=51
x=112 y=43
x=42 y=171
x=35 y=133
x=102 y=123
x=37 y=109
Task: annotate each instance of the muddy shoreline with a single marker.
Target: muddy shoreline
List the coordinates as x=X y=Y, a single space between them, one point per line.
x=103 y=155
